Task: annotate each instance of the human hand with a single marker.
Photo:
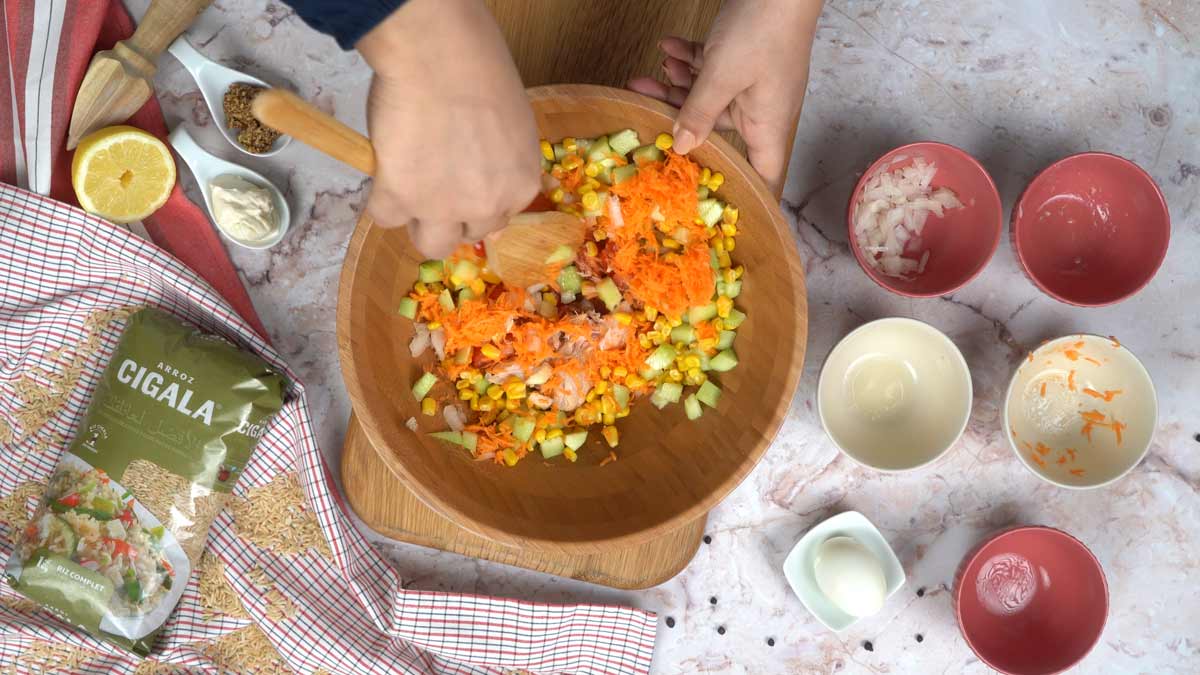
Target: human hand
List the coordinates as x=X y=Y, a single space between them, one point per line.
x=456 y=147
x=750 y=75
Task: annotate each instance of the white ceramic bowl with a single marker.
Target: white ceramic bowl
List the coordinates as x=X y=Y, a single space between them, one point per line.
x=1058 y=388
x=894 y=394
x=799 y=565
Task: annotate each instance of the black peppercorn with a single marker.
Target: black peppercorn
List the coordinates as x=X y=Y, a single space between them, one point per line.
x=720 y=630
x=868 y=646
x=670 y=622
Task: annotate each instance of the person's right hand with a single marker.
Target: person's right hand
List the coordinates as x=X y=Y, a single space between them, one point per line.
x=456 y=147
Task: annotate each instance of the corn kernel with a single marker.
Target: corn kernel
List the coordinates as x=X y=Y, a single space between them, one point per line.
x=557 y=171
x=644 y=342
x=692 y=361
x=462 y=384
x=605 y=372
x=724 y=304
x=510 y=457
x=475 y=404
x=719 y=245
x=730 y=215
x=717 y=180
x=623 y=318
x=675 y=322
x=593 y=183
x=620 y=372
x=623 y=413
x=728 y=276
x=554 y=433
x=512 y=404
x=611 y=436
x=707 y=344
x=476 y=376
x=608 y=406
x=664 y=141
x=591 y=396
x=434 y=325
x=730 y=244
x=557 y=195
x=609 y=418
x=599 y=234
x=670 y=243
x=495 y=392
x=739 y=271
x=718 y=325
x=467 y=394
x=570 y=144
x=634 y=381
x=478 y=287
x=705 y=176
x=591 y=200
x=570 y=455
x=650 y=313
x=420 y=288
x=601 y=387
x=723 y=260
x=674 y=375
x=660 y=324
x=547 y=151
x=591 y=169
x=572 y=162
x=490 y=351
x=590 y=249
x=728 y=230
x=694 y=371
x=539 y=435
x=428 y=406
x=516 y=390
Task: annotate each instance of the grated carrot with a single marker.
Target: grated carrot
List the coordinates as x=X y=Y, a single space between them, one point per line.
x=1093 y=416
x=1042 y=448
x=1087 y=431
x=1115 y=342
x=1071 y=354
x=1076 y=472
x=1062 y=459
x=1071 y=452
x=1091 y=360
x=1043 y=389
x=612 y=457
x=1107 y=395
x=1117 y=427
x=1071 y=380
x=1027 y=446
x=1038 y=460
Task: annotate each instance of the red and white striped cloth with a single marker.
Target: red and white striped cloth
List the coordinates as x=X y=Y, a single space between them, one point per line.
x=58 y=265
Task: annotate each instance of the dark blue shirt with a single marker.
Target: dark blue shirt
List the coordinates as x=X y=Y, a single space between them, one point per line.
x=346 y=20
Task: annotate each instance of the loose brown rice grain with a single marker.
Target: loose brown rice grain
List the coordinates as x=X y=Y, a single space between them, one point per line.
x=216 y=595
x=44 y=656
x=275 y=516
x=246 y=651
x=14 y=508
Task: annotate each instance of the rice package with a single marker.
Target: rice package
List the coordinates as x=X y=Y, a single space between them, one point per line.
x=126 y=513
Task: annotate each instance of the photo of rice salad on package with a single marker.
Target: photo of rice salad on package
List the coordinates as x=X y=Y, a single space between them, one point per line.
x=86 y=519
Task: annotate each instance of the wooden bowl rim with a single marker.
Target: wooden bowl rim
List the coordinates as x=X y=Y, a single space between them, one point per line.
x=702 y=506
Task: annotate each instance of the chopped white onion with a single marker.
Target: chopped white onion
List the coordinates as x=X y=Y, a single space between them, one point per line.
x=454 y=418
x=411 y=423
x=437 y=338
x=614 y=212
x=891 y=214
x=420 y=341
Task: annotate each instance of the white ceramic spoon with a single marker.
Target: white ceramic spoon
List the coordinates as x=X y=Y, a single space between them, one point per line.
x=214 y=80
x=207 y=168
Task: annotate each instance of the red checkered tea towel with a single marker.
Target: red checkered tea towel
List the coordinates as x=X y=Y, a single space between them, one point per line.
x=314 y=595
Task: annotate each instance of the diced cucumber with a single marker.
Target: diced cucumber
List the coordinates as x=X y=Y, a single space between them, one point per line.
x=482 y=385
x=559 y=152
x=701 y=192
x=606 y=171
x=623 y=173
x=470 y=440
x=445 y=300
x=713 y=261
x=709 y=394
x=454 y=437
x=522 y=428
x=609 y=293
x=601 y=205
x=702 y=313
x=724 y=361
x=733 y=289
x=560 y=419
x=465 y=271
x=421 y=387
x=465 y=294
x=561 y=254
x=658 y=401
x=621 y=395
x=539 y=376
x=576 y=439
x=623 y=141
x=567 y=297
x=661 y=358
x=734 y=319
x=463 y=356
x=407 y=308
x=584 y=143
x=710 y=211
x=599 y=149
x=431 y=271
x=546 y=165
x=669 y=391
x=569 y=280
x=692 y=407
x=704 y=362
x=725 y=340
x=551 y=447
x=683 y=333
x=647 y=154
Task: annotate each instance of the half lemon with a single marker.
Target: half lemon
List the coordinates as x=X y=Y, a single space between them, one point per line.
x=122 y=174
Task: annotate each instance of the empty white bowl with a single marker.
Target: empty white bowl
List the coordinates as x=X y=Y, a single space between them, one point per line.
x=799 y=565
x=894 y=394
x=1061 y=387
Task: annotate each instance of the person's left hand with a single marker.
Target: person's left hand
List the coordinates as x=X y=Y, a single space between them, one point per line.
x=750 y=76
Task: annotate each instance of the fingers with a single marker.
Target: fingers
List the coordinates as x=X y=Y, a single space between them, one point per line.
x=435 y=240
x=655 y=89
x=770 y=160
x=691 y=53
x=707 y=101
x=678 y=72
x=479 y=229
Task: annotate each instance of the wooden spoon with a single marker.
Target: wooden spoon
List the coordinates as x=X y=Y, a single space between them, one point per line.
x=517 y=254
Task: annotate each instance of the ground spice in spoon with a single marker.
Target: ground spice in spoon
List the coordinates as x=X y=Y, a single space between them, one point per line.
x=252 y=134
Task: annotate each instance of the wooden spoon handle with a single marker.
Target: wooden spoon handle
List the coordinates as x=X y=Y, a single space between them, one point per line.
x=164 y=21
x=286 y=112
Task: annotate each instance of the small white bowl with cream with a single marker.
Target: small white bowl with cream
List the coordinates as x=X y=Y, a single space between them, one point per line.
x=894 y=394
x=246 y=207
x=1080 y=411
x=843 y=570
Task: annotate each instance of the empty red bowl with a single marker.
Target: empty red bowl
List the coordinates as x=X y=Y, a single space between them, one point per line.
x=1091 y=229
x=960 y=243
x=1031 y=600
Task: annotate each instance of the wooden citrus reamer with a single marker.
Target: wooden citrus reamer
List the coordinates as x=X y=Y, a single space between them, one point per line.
x=517 y=254
x=118 y=80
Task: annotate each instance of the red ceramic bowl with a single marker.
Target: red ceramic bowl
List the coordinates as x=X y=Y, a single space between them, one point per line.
x=1031 y=600
x=1091 y=229
x=961 y=243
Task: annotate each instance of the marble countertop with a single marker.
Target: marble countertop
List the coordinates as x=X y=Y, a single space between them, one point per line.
x=1017 y=84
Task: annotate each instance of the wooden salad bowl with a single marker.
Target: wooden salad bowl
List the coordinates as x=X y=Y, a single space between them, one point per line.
x=670 y=471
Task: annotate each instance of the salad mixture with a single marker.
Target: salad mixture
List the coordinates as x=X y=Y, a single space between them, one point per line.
x=645 y=308
x=86 y=520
